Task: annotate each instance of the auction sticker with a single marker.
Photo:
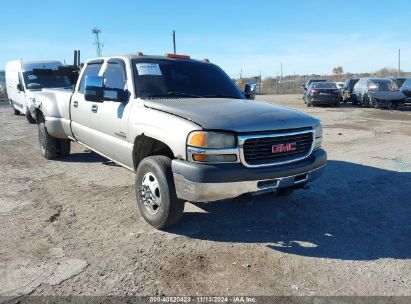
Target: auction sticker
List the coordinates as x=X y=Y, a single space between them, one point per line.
x=148 y=69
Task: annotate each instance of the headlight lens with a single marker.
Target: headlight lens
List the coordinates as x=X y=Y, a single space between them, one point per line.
x=215 y=140
x=318 y=136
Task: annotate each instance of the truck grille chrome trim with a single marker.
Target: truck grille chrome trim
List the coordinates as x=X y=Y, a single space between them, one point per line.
x=256 y=150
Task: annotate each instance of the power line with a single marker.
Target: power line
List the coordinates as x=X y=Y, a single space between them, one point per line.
x=96 y=31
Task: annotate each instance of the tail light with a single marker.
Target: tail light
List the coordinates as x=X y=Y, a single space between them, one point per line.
x=335 y=91
x=315 y=92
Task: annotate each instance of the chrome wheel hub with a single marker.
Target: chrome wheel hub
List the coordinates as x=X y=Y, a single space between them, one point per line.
x=150 y=193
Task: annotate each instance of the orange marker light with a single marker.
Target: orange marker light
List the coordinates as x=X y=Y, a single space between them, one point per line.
x=177 y=56
x=198 y=139
x=200 y=157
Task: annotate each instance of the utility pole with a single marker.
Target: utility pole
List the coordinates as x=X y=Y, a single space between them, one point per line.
x=294 y=83
x=399 y=62
x=277 y=83
x=174 y=41
x=96 y=31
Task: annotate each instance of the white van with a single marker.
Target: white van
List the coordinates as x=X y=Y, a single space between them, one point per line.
x=23 y=85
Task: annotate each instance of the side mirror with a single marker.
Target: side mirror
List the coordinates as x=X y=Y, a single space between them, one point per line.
x=20 y=87
x=250 y=90
x=94 y=88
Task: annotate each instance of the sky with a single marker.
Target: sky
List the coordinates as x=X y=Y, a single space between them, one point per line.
x=254 y=37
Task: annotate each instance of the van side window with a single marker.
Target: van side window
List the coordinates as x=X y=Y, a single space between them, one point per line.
x=92 y=69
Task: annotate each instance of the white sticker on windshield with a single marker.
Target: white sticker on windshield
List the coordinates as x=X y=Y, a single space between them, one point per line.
x=31 y=77
x=148 y=69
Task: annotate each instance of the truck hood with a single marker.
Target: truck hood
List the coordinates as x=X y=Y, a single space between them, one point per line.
x=239 y=115
x=387 y=95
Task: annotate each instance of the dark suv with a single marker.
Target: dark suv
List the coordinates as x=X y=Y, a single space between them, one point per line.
x=347 y=89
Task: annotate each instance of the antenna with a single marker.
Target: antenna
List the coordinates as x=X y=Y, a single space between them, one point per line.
x=96 y=31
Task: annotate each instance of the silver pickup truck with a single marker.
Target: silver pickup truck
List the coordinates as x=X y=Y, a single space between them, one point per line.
x=184 y=128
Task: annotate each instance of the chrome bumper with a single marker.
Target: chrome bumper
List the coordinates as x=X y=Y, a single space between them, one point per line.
x=206 y=192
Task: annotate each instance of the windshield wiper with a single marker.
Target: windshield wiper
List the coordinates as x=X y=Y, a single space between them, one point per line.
x=220 y=96
x=175 y=94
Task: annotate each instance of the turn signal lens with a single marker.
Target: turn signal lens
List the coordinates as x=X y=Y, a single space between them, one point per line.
x=197 y=139
x=200 y=157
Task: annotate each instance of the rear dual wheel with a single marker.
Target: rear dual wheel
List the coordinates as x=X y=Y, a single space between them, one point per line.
x=50 y=146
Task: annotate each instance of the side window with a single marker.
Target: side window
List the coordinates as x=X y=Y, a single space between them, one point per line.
x=90 y=70
x=115 y=76
x=115 y=79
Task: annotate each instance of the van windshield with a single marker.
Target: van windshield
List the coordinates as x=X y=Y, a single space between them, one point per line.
x=165 y=78
x=41 y=81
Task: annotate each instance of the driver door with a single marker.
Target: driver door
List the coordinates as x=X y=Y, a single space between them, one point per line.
x=109 y=117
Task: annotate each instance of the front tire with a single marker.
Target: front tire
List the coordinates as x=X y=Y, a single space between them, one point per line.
x=16 y=112
x=48 y=143
x=29 y=118
x=156 y=194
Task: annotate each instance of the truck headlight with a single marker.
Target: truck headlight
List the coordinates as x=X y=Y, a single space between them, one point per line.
x=216 y=140
x=216 y=147
x=318 y=136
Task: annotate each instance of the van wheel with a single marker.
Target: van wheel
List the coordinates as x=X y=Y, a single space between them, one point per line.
x=29 y=118
x=16 y=112
x=48 y=143
x=156 y=194
x=64 y=146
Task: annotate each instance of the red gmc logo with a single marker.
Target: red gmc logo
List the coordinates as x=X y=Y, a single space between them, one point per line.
x=283 y=148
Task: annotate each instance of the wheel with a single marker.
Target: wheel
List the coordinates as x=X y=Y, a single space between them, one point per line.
x=16 y=112
x=48 y=143
x=374 y=103
x=366 y=101
x=29 y=118
x=63 y=147
x=156 y=193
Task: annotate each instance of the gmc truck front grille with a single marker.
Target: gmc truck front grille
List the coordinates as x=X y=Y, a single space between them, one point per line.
x=275 y=149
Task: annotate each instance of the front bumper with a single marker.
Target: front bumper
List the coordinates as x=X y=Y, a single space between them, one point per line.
x=204 y=182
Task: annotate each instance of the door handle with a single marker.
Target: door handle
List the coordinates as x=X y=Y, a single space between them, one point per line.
x=94 y=108
x=75 y=104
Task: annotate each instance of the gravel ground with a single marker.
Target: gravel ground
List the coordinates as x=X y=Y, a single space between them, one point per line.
x=71 y=226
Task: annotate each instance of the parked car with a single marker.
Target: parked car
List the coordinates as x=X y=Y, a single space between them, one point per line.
x=406 y=90
x=24 y=84
x=323 y=93
x=347 y=89
x=378 y=93
x=184 y=128
x=307 y=84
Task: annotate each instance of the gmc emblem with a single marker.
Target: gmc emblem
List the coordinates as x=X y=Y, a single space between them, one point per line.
x=283 y=148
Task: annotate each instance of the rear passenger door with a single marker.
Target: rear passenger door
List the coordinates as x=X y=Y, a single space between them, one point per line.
x=109 y=118
x=80 y=108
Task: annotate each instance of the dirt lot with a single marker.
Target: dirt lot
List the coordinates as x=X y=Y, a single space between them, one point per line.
x=71 y=226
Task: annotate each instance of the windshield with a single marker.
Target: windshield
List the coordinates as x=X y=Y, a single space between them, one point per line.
x=383 y=85
x=324 y=85
x=40 y=81
x=159 y=78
